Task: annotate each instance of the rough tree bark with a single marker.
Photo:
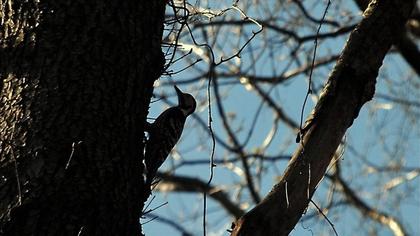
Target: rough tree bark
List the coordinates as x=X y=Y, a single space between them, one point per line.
x=405 y=44
x=350 y=85
x=76 y=81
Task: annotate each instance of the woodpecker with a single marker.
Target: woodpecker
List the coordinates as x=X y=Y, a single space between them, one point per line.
x=165 y=132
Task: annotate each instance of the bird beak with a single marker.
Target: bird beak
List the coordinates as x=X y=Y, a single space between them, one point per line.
x=180 y=95
x=178 y=91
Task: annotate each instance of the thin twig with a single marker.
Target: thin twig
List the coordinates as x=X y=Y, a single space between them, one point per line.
x=325 y=217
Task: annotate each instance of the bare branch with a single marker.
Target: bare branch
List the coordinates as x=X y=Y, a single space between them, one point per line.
x=179 y=183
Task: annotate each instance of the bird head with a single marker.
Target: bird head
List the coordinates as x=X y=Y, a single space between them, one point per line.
x=186 y=102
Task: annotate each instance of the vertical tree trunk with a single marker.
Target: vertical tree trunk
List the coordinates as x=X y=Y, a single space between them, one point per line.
x=76 y=81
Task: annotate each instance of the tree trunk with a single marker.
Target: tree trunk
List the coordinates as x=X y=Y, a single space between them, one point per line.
x=351 y=84
x=76 y=82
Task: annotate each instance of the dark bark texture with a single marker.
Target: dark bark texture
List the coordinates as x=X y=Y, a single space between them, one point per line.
x=405 y=44
x=351 y=84
x=76 y=81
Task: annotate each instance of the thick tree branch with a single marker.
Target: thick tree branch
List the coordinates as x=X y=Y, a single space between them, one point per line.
x=351 y=84
x=407 y=47
x=188 y=184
